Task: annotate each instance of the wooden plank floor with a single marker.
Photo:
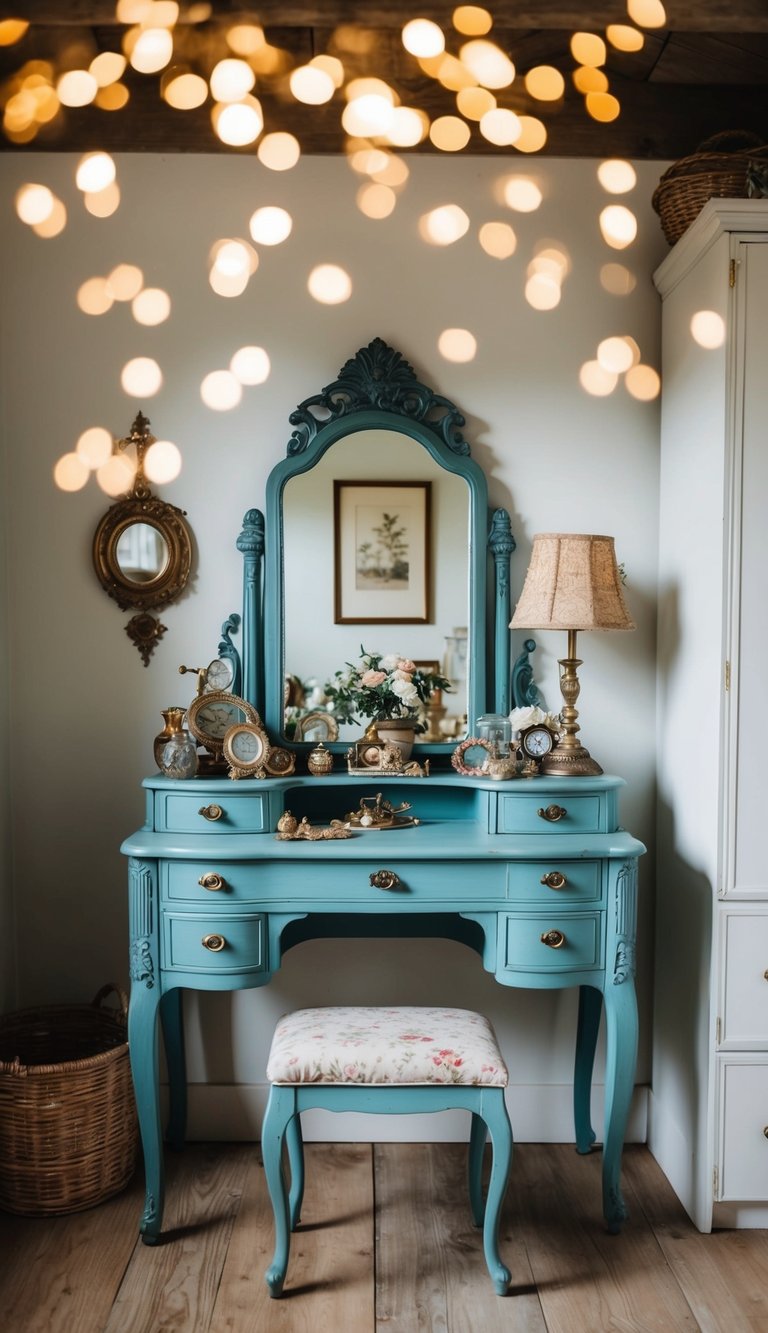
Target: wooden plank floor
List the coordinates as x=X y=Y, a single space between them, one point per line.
x=385 y=1243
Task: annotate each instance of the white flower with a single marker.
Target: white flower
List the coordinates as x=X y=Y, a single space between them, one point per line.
x=401 y=675
x=406 y=691
x=533 y=716
x=389 y=662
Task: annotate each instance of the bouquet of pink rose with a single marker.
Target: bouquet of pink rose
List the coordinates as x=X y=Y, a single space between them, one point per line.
x=382 y=688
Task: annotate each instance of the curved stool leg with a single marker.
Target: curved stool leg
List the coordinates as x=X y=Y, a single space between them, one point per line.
x=477 y=1136
x=494 y=1112
x=281 y=1107
x=295 y=1146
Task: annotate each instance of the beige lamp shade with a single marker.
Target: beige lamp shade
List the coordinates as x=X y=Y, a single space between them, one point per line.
x=572 y=583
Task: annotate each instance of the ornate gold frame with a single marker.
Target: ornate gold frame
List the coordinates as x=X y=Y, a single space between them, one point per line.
x=212 y=743
x=257 y=767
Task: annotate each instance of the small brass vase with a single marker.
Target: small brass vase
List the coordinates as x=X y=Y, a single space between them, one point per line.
x=173 y=719
x=320 y=761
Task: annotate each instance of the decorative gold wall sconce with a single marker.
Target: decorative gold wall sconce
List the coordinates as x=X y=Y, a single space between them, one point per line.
x=142 y=549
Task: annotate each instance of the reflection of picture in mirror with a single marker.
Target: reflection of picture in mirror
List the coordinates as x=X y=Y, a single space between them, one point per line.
x=382 y=533
x=142 y=553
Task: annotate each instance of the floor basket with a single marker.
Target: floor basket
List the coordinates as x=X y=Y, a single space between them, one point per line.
x=68 y=1134
x=720 y=169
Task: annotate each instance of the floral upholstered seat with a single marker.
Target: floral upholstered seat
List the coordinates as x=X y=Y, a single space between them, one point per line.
x=401 y=1045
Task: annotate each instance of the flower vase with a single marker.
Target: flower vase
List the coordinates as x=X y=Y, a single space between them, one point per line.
x=392 y=731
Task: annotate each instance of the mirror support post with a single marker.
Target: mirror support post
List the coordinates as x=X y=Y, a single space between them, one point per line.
x=250 y=543
x=501 y=544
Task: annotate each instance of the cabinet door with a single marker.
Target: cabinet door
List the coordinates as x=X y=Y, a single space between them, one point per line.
x=747 y=872
x=743 y=1137
x=743 y=1005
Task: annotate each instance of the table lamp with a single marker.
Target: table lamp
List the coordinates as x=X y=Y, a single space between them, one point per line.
x=572 y=583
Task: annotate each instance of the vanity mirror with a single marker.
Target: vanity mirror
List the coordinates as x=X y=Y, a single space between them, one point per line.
x=378 y=535
x=142 y=549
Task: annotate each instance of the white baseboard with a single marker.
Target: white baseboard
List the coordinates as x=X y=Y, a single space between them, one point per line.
x=539 y=1114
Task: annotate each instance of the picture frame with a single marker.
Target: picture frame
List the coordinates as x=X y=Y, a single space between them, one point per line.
x=382 y=552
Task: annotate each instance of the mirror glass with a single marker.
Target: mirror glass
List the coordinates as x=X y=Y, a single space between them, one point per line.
x=388 y=571
x=142 y=553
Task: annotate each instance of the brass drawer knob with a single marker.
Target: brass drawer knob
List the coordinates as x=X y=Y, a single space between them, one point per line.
x=214 y=942
x=211 y=881
x=554 y=879
x=385 y=879
x=765 y=1131
x=552 y=813
x=554 y=939
x=212 y=812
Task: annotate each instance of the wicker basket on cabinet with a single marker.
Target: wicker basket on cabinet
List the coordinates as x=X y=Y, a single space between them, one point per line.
x=68 y=1133
x=721 y=168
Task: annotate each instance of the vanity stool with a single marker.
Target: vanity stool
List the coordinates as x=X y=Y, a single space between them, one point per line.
x=393 y=1062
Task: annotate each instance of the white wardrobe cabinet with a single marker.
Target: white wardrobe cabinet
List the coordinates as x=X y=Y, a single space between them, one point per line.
x=709 y=1103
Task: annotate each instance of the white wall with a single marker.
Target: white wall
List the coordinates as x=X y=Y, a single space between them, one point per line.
x=84 y=709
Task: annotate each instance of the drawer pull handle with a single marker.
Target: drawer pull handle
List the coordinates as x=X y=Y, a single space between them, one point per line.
x=385 y=879
x=765 y=1131
x=554 y=939
x=554 y=879
x=552 y=813
x=211 y=881
x=212 y=812
x=213 y=942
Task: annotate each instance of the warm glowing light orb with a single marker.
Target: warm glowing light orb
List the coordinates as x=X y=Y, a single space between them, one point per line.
x=107 y=67
x=472 y=20
x=94 y=296
x=125 y=281
x=12 y=31
x=618 y=225
x=151 y=306
x=449 y=133
x=647 y=13
x=457 y=345
x=597 y=381
x=589 y=80
x=141 y=377
x=409 y=126
x=708 y=329
x=488 y=63
x=522 y=194
x=617 y=279
x=312 y=85
x=270 y=225
x=643 y=382
x=250 y=365
x=603 y=107
x=103 y=203
x=497 y=239
x=71 y=473
x=228 y=284
x=95 y=171
x=221 y=390
x=624 y=38
x=76 y=88
x=369 y=115
x=94 y=447
x=112 y=98
x=550 y=259
x=588 y=49
x=152 y=50
x=545 y=83
x=615 y=354
x=475 y=102
x=542 y=291
x=332 y=66
x=162 y=462
x=422 y=37
x=238 y=123
x=54 y=223
x=390 y=170
x=246 y=39
x=375 y=200
x=185 y=91
x=617 y=176
x=231 y=80
x=533 y=135
x=444 y=225
x=34 y=203
x=501 y=127
x=329 y=284
x=115 y=477
x=278 y=151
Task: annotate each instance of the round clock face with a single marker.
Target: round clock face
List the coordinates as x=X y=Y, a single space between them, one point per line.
x=219 y=675
x=246 y=749
x=537 y=742
x=210 y=716
x=246 y=746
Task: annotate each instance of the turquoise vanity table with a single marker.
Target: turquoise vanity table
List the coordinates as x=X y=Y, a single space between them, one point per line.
x=535 y=874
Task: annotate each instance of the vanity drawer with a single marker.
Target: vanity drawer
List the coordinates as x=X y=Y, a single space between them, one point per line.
x=234 y=942
x=520 y=814
x=522 y=948
x=333 y=881
x=554 y=883
x=241 y=812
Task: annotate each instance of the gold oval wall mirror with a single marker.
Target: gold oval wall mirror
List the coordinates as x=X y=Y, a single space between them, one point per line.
x=142 y=549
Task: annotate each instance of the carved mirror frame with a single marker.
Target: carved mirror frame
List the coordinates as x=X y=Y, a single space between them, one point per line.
x=377 y=389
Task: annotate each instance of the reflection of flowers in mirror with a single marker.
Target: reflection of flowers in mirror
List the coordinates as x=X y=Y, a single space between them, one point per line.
x=533 y=716
x=382 y=687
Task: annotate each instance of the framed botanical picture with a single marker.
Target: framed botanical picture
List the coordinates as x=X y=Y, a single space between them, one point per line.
x=381 y=552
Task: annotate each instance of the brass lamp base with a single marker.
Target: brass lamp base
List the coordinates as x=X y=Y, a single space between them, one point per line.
x=573 y=763
x=569 y=758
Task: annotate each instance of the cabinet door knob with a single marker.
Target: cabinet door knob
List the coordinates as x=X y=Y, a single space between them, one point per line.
x=554 y=879
x=552 y=813
x=213 y=942
x=211 y=812
x=554 y=939
x=211 y=881
x=385 y=879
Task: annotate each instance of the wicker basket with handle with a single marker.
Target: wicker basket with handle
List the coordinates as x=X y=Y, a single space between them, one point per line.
x=68 y=1134
x=719 y=169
